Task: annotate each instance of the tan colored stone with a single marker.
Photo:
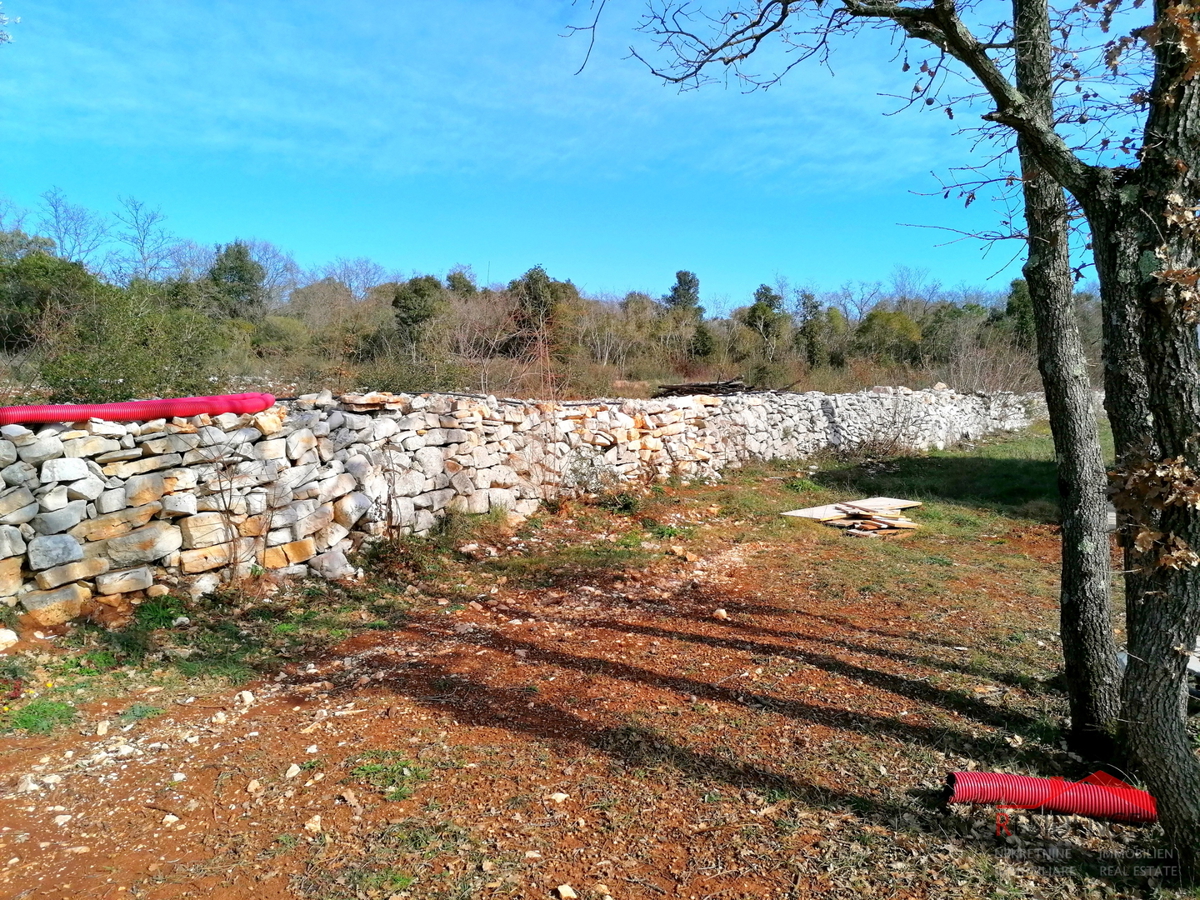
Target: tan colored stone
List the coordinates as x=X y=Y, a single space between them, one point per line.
x=146 y=544
x=122 y=522
x=10 y=576
x=290 y=554
x=203 y=559
x=143 y=489
x=142 y=466
x=255 y=526
x=48 y=608
x=74 y=571
x=125 y=581
x=268 y=421
x=206 y=529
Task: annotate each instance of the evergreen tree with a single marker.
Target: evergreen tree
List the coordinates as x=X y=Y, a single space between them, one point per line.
x=237 y=281
x=685 y=293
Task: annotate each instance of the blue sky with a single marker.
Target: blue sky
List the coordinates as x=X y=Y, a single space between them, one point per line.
x=424 y=136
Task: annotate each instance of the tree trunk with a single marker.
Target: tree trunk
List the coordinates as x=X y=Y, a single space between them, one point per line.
x=1145 y=232
x=1089 y=652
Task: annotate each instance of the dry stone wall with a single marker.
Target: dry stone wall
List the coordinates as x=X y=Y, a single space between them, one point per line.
x=99 y=514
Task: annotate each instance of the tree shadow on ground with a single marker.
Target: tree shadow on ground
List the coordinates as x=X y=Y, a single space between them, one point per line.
x=1013 y=487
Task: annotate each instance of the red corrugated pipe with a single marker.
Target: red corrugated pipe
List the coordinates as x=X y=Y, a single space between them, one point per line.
x=139 y=409
x=1099 y=795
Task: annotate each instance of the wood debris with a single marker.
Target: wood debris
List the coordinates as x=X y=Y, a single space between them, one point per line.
x=871 y=517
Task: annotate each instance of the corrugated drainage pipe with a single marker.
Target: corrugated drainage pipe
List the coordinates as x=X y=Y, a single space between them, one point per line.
x=1100 y=796
x=139 y=409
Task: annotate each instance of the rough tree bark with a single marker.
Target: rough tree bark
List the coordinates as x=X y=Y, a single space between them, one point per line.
x=1085 y=610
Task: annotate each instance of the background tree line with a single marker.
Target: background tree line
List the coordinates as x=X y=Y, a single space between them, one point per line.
x=101 y=308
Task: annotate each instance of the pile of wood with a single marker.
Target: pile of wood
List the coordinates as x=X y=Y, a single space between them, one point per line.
x=871 y=517
x=733 y=386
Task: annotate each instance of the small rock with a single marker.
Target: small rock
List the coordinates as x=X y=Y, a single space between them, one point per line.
x=566 y=892
x=8 y=637
x=101 y=729
x=179 y=776
x=559 y=797
x=219 y=719
x=245 y=698
x=312 y=748
x=60 y=821
x=26 y=783
x=253 y=787
x=292 y=771
x=720 y=614
x=313 y=825
x=169 y=819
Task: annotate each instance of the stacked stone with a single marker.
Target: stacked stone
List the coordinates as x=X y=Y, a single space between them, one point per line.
x=103 y=512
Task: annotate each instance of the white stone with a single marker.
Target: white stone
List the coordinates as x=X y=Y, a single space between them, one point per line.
x=63 y=469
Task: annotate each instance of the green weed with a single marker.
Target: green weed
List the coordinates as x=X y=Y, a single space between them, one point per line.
x=39 y=717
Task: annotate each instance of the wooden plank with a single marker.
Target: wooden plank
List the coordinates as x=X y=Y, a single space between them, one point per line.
x=820 y=513
x=880 y=503
x=897 y=523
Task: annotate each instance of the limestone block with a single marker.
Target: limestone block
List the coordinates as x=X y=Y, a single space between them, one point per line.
x=337 y=486
x=331 y=536
x=89 y=488
x=180 y=504
x=429 y=460
x=332 y=565
x=111 y=501
x=14 y=499
x=289 y=554
x=349 y=509
x=300 y=442
x=145 y=544
x=10 y=576
x=63 y=469
x=125 y=581
x=12 y=543
x=272 y=449
x=179 y=480
x=206 y=529
x=48 y=551
x=49 y=608
x=255 y=526
x=143 y=489
x=92 y=445
x=171 y=443
x=60 y=519
x=112 y=456
x=117 y=523
x=216 y=556
x=501 y=498
x=475 y=503
x=55 y=498
x=20 y=473
x=269 y=421
x=424 y=522
x=314 y=522
x=441 y=499
x=73 y=571
x=44 y=447
x=21 y=516
x=143 y=465
x=8 y=453
x=279 y=536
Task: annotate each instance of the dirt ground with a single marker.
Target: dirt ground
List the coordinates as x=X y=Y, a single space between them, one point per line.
x=682 y=696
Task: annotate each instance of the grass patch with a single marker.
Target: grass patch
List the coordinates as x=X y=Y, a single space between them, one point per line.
x=388 y=772
x=139 y=711
x=39 y=717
